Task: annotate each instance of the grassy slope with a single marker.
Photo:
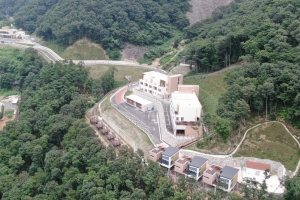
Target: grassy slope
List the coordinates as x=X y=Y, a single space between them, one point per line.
x=81 y=50
x=122 y=71
x=211 y=89
x=141 y=139
x=273 y=142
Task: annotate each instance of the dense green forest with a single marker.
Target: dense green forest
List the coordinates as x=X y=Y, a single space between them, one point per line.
x=265 y=31
x=271 y=90
x=107 y=22
x=50 y=152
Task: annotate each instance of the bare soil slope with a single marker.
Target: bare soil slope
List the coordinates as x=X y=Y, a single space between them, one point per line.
x=133 y=53
x=202 y=9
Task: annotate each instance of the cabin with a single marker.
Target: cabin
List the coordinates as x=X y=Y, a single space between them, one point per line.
x=105 y=130
x=110 y=136
x=94 y=120
x=228 y=178
x=211 y=174
x=156 y=153
x=169 y=156
x=99 y=125
x=181 y=165
x=197 y=167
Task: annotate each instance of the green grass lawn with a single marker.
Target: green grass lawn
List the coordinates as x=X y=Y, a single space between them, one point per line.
x=211 y=89
x=9 y=112
x=81 y=50
x=122 y=71
x=6 y=93
x=127 y=93
x=272 y=142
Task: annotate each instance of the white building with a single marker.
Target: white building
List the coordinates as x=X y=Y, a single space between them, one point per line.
x=256 y=168
x=185 y=110
x=160 y=85
x=140 y=103
x=6 y=32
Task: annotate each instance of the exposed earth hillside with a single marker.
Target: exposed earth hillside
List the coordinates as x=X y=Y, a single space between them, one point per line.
x=202 y=9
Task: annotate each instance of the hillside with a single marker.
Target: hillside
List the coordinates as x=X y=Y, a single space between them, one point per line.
x=202 y=9
x=262 y=31
x=109 y=23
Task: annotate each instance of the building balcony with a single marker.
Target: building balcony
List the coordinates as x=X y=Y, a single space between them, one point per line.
x=185 y=123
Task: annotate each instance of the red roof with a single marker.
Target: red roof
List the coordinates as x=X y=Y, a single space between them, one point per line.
x=257 y=165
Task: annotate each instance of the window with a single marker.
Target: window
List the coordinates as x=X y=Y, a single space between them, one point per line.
x=182 y=118
x=177 y=166
x=177 y=118
x=206 y=177
x=145 y=90
x=165 y=160
x=198 y=119
x=141 y=83
x=178 y=81
x=150 y=86
x=159 y=90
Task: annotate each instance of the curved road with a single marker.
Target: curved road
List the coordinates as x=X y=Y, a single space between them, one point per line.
x=52 y=56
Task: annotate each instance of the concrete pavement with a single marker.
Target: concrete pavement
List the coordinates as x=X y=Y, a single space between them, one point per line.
x=146 y=121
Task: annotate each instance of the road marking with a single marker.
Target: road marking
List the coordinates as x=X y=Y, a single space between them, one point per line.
x=153 y=128
x=135 y=117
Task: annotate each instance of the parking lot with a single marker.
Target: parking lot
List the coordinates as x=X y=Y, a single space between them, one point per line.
x=146 y=121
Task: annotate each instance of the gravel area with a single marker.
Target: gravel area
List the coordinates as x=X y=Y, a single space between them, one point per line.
x=202 y=9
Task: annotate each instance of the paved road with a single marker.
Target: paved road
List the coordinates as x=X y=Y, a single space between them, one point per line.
x=52 y=56
x=147 y=121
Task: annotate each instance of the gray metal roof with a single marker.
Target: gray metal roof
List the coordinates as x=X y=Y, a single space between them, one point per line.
x=198 y=161
x=170 y=151
x=228 y=172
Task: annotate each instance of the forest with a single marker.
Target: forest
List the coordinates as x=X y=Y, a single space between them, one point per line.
x=109 y=23
x=269 y=90
x=264 y=31
x=50 y=152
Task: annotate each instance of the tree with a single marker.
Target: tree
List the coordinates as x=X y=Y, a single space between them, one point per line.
x=266 y=90
x=2 y=112
x=6 y=80
x=15 y=162
x=107 y=80
x=241 y=111
x=223 y=127
x=292 y=186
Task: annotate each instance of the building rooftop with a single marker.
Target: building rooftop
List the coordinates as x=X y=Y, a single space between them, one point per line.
x=228 y=172
x=257 y=165
x=198 y=161
x=157 y=150
x=182 y=160
x=170 y=151
x=212 y=170
x=138 y=99
x=185 y=99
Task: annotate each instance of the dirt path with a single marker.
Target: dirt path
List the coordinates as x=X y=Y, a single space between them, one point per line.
x=216 y=72
x=156 y=61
